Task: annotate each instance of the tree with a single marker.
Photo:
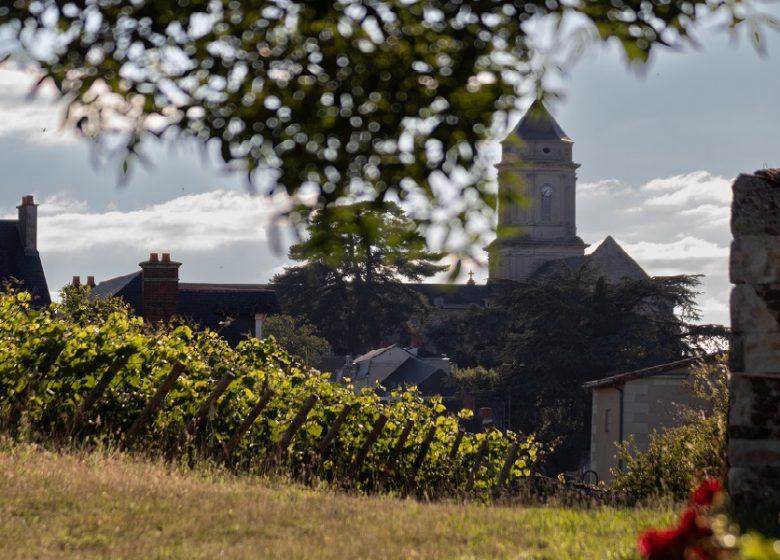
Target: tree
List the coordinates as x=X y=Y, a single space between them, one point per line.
x=350 y=286
x=353 y=99
x=547 y=337
x=298 y=337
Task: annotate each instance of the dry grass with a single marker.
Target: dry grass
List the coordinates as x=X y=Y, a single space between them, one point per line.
x=113 y=506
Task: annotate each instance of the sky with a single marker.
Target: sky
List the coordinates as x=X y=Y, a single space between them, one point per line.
x=658 y=150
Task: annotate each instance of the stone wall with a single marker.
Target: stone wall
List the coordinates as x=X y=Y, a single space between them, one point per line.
x=754 y=414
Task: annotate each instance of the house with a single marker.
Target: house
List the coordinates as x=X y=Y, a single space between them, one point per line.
x=636 y=403
x=20 y=263
x=395 y=367
x=155 y=293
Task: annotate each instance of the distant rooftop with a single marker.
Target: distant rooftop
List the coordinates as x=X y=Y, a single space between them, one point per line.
x=651 y=371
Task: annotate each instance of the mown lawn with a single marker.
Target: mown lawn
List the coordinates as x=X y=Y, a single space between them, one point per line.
x=98 y=506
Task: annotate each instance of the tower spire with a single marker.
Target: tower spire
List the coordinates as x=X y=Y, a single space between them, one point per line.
x=538 y=124
x=537 y=179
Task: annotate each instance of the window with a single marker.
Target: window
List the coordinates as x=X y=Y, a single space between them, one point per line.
x=607 y=419
x=547 y=192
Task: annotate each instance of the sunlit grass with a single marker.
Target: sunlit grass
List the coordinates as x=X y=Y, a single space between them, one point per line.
x=114 y=506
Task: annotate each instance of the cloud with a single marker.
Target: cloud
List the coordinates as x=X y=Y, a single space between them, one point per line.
x=697 y=187
x=709 y=216
x=597 y=188
x=200 y=222
x=37 y=118
x=670 y=225
x=687 y=249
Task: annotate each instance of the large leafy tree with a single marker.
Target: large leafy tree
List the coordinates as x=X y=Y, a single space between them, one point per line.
x=350 y=285
x=371 y=99
x=543 y=339
x=298 y=337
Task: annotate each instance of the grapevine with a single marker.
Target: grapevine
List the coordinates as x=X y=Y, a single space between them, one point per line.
x=82 y=372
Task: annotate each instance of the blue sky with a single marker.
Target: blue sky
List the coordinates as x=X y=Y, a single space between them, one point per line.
x=658 y=148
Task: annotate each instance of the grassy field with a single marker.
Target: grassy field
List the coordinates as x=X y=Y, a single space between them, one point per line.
x=98 y=506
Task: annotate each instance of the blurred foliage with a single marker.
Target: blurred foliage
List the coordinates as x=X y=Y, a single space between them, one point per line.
x=346 y=100
x=350 y=286
x=678 y=458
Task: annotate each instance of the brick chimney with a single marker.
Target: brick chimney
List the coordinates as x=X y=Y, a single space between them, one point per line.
x=76 y=281
x=28 y=225
x=160 y=288
x=91 y=281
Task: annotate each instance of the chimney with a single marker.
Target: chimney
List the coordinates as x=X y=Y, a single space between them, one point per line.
x=91 y=281
x=160 y=288
x=28 y=225
x=76 y=281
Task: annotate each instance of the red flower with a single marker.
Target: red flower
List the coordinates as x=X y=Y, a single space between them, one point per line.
x=661 y=545
x=672 y=544
x=693 y=526
x=706 y=491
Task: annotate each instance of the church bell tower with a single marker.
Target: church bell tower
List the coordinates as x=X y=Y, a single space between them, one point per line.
x=539 y=225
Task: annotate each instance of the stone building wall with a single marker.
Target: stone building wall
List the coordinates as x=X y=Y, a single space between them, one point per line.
x=754 y=414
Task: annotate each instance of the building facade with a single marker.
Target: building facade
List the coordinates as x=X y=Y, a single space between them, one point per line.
x=637 y=403
x=537 y=199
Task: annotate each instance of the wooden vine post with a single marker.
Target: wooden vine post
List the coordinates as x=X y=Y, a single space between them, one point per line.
x=200 y=415
x=481 y=450
x=456 y=445
x=298 y=421
x=426 y=444
x=97 y=391
x=506 y=469
x=151 y=407
x=250 y=419
x=366 y=447
x=289 y=433
x=334 y=429
x=399 y=446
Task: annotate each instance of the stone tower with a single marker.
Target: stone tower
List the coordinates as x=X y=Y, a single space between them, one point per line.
x=541 y=226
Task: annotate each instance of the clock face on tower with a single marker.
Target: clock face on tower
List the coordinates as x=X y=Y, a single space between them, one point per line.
x=547 y=203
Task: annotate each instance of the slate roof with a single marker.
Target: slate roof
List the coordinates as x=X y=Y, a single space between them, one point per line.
x=609 y=260
x=200 y=300
x=539 y=124
x=128 y=287
x=649 y=371
x=226 y=308
x=16 y=266
x=612 y=262
x=411 y=372
x=429 y=379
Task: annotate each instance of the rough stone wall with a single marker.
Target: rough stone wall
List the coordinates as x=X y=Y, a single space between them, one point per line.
x=754 y=413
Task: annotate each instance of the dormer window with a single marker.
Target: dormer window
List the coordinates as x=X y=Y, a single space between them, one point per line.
x=547 y=192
